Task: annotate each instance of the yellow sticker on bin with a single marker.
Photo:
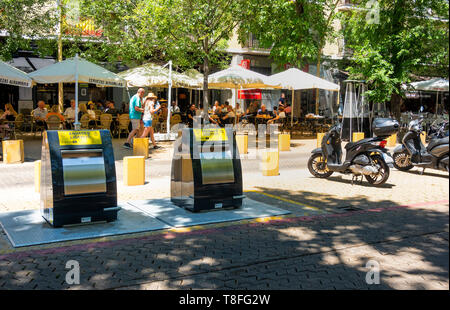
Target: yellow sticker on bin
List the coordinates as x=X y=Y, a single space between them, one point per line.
x=210 y=134
x=79 y=137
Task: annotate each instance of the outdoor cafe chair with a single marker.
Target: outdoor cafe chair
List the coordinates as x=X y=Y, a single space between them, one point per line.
x=124 y=122
x=175 y=119
x=53 y=122
x=105 y=121
x=85 y=121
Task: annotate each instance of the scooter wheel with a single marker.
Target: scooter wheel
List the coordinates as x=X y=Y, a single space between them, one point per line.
x=383 y=174
x=402 y=161
x=317 y=166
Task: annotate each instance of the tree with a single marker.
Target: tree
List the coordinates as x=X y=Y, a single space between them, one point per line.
x=194 y=31
x=295 y=31
x=24 y=21
x=393 y=39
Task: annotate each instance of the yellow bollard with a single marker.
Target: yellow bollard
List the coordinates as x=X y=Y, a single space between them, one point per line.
x=423 y=137
x=134 y=170
x=13 y=151
x=320 y=136
x=270 y=163
x=358 y=136
x=242 y=143
x=392 y=140
x=37 y=176
x=284 y=142
x=140 y=147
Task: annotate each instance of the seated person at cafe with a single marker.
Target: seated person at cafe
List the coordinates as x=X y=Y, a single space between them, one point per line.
x=201 y=112
x=190 y=114
x=252 y=110
x=229 y=117
x=287 y=109
x=264 y=111
x=216 y=107
x=111 y=109
x=40 y=114
x=55 y=111
x=8 y=116
x=84 y=110
x=174 y=108
x=239 y=112
x=280 y=116
x=69 y=114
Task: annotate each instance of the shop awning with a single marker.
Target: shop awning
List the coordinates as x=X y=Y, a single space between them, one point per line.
x=13 y=76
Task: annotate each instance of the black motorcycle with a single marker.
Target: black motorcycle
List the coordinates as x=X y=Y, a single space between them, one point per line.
x=367 y=157
x=412 y=152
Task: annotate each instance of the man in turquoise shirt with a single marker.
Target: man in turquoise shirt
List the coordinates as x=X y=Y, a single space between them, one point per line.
x=135 y=116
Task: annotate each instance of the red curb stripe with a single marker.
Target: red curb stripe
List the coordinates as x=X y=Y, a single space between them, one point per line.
x=172 y=235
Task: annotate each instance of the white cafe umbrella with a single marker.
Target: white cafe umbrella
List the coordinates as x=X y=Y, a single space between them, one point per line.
x=237 y=77
x=433 y=85
x=13 y=76
x=295 y=79
x=77 y=70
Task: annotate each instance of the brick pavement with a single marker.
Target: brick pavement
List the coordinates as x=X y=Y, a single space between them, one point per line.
x=403 y=226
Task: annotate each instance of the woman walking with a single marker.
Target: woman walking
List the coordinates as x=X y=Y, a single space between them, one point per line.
x=149 y=109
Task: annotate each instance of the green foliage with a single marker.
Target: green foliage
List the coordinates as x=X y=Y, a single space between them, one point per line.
x=410 y=36
x=25 y=19
x=296 y=31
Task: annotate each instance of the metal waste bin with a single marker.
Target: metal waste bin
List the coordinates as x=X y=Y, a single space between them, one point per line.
x=206 y=170
x=78 y=177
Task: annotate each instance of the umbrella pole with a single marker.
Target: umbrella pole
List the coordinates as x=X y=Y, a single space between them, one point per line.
x=292 y=108
x=76 y=124
x=169 y=97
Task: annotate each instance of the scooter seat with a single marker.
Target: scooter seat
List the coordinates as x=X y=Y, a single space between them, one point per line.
x=352 y=144
x=436 y=142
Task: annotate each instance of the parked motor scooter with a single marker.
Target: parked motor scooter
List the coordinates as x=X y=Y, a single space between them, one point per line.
x=412 y=152
x=367 y=157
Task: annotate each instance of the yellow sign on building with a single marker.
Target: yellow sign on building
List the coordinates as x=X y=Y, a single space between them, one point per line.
x=80 y=137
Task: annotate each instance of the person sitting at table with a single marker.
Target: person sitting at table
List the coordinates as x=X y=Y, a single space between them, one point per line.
x=190 y=114
x=40 y=114
x=216 y=106
x=287 y=109
x=8 y=116
x=280 y=116
x=174 y=108
x=69 y=114
x=264 y=111
x=55 y=111
x=111 y=108
x=229 y=117
x=83 y=110
x=239 y=112
x=252 y=110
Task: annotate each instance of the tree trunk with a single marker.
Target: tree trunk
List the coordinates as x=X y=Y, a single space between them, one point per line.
x=396 y=102
x=205 y=85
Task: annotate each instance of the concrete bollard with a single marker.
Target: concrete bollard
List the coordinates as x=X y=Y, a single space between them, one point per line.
x=140 y=147
x=134 y=170
x=37 y=176
x=270 y=163
x=284 y=142
x=320 y=136
x=242 y=144
x=423 y=137
x=358 y=136
x=13 y=151
x=392 y=140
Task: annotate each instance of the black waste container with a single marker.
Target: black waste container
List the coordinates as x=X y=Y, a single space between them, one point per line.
x=78 y=177
x=206 y=170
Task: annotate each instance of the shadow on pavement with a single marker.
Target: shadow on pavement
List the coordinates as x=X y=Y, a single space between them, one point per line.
x=410 y=244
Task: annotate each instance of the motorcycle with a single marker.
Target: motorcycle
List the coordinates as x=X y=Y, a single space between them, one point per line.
x=413 y=153
x=438 y=129
x=367 y=157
